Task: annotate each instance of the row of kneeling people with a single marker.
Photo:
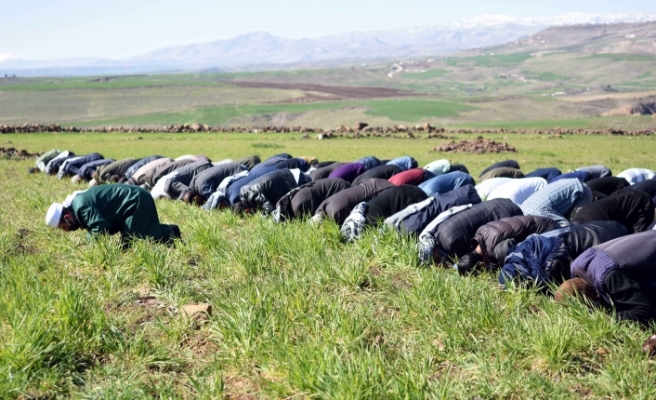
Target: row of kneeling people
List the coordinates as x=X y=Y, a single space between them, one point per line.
x=586 y=230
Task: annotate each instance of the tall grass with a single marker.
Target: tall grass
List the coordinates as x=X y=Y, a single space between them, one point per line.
x=296 y=312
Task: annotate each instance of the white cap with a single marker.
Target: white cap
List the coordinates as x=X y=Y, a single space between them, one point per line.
x=92 y=183
x=53 y=216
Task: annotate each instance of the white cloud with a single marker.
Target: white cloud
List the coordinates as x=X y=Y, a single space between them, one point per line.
x=10 y=57
x=5 y=56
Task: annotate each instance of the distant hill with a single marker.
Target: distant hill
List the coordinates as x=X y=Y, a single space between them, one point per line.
x=267 y=51
x=623 y=38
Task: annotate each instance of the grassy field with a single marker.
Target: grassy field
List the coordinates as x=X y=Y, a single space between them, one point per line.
x=296 y=312
x=404 y=110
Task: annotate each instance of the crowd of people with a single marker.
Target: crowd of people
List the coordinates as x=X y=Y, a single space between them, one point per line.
x=586 y=232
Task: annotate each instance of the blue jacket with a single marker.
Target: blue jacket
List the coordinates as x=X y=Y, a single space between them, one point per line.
x=269 y=162
x=89 y=168
x=369 y=162
x=73 y=167
x=580 y=175
x=445 y=183
x=280 y=155
x=235 y=187
x=405 y=163
x=55 y=163
x=293 y=163
x=545 y=173
x=546 y=257
x=418 y=221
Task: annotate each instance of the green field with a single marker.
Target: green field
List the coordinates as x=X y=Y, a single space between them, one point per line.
x=296 y=312
x=398 y=110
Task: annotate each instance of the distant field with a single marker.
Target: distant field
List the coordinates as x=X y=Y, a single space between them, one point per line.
x=396 y=110
x=430 y=74
x=567 y=76
x=296 y=312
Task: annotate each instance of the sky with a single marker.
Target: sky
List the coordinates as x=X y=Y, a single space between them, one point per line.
x=50 y=29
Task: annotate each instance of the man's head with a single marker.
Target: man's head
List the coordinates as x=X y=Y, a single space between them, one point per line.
x=33 y=170
x=470 y=263
x=191 y=197
x=439 y=256
x=114 y=178
x=61 y=217
x=240 y=209
x=574 y=286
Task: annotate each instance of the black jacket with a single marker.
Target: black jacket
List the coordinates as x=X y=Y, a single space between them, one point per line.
x=159 y=172
x=632 y=208
x=391 y=201
x=179 y=184
x=504 y=172
x=339 y=206
x=249 y=161
x=379 y=172
x=305 y=199
x=324 y=172
x=324 y=164
x=264 y=192
x=501 y=164
x=607 y=185
x=455 y=235
x=648 y=186
x=497 y=237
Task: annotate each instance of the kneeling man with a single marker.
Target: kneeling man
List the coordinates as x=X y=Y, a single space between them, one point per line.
x=111 y=209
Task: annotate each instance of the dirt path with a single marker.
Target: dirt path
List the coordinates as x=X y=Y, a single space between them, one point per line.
x=340 y=92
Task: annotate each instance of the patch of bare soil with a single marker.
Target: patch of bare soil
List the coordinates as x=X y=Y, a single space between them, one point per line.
x=201 y=346
x=475 y=146
x=10 y=152
x=633 y=109
x=238 y=388
x=337 y=92
x=22 y=244
x=311 y=98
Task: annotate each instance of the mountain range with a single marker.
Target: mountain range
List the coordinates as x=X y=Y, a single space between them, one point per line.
x=261 y=50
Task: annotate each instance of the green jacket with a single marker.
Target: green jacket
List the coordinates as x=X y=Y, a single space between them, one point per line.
x=45 y=158
x=111 y=209
x=116 y=168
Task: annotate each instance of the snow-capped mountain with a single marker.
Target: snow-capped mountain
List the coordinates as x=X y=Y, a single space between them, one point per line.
x=262 y=48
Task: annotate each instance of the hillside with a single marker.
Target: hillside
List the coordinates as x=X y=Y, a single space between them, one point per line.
x=578 y=76
x=635 y=38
